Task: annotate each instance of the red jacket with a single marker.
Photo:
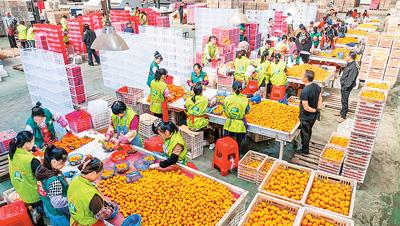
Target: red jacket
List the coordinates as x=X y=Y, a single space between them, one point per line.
x=10 y=31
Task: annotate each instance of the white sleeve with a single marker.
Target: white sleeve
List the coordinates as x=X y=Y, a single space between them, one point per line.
x=29 y=128
x=154 y=70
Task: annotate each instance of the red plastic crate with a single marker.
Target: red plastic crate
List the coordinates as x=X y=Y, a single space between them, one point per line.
x=5 y=139
x=79 y=99
x=15 y=214
x=75 y=81
x=73 y=70
x=79 y=120
x=77 y=90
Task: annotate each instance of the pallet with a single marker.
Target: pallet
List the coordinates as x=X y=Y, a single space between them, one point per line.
x=334 y=102
x=18 y=67
x=312 y=159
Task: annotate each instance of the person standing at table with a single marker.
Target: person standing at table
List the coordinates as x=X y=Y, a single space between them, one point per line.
x=155 y=64
x=124 y=122
x=310 y=103
x=86 y=205
x=158 y=92
x=53 y=187
x=30 y=37
x=347 y=83
x=241 y=63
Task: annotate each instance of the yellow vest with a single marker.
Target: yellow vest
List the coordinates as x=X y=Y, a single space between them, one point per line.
x=235 y=109
x=21 y=32
x=31 y=34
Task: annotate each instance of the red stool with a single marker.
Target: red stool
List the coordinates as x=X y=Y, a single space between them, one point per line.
x=278 y=93
x=224 y=149
x=15 y=214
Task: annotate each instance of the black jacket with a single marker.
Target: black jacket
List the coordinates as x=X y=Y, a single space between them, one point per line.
x=88 y=37
x=349 y=76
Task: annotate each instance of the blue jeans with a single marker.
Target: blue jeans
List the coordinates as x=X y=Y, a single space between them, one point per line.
x=56 y=220
x=94 y=53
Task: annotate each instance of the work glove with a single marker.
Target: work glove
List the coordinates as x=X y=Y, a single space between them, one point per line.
x=109 y=134
x=154 y=166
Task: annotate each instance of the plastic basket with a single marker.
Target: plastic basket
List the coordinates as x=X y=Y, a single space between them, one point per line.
x=104 y=177
x=286 y=166
x=133 y=176
x=194 y=141
x=328 y=217
x=146 y=122
x=141 y=165
x=225 y=80
x=132 y=220
x=259 y=198
x=129 y=95
x=246 y=172
x=260 y=173
x=330 y=162
x=334 y=179
x=79 y=121
x=149 y=162
x=79 y=157
x=154 y=144
x=340 y=136
x=122 y=170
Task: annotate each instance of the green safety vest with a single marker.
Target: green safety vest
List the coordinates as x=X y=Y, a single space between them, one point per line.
x=37 y=132
x=31 y=35
x=277 y=74
x=196 y=119
x=21 y=176
x=200 y=78
x=80 y=193
x=235 y=108
x=129 y=115
x=263 y=72
x=151 y=73
x=212 y=52
x=157 y=89
x=21 y=32
x=241 y=67
x=46 y=200
x=170 y=144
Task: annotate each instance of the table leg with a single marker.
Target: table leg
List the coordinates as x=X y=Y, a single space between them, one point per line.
x=281 y=148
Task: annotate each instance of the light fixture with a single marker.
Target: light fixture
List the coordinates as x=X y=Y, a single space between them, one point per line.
x=109 y=39
x=238 y=18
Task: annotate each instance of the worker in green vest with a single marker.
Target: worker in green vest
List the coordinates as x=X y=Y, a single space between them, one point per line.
x=64 y=28
x=30 y=37
x=197 y=76
x=236 y=106
x=53 y=186
x=125 y=123
x=155 y=64
x=158 y=92
x=210 y=51
x=86 y=205
x=277 y=71
x=196 y=109
x=174 y=147
x=22 y=30
x=22 y=165
x=241 y=63
x=143 y=18
x=41 y=124
x=263 y=78
x=267 y=46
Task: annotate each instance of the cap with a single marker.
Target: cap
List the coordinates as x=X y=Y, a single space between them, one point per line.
x=250 y=70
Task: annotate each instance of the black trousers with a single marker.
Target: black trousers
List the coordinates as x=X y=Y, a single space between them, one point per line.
x=306 y=132
x=94 y=53
x=305 y=57
x=24 y=44
x=12 y=41
x=181 y=16
x=239 y=137
x=345 y=91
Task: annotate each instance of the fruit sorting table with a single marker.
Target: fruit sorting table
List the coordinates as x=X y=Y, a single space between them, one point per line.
x=280 y=136
x=324 y=83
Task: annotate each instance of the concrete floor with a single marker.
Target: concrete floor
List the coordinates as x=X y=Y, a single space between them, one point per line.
x=377 y=202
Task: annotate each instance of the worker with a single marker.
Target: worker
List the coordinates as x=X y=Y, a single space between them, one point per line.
x=158 y=92
x=124 y=122
x=241 y=63
x=242 y=31
x=278 y=71
x=88 y=38
x=263 y=77
x=348 y=81
x=236 y=106
x=289 y=22
x=64 y=28
x=22 y=166
x=41 y=124
x=128 y=28
x=282 y=45
x=11 y=24
x=22 y=30
x=127 y=7
x=30 y=37
x=294 y=59
x=327 y=42
x=267 y=46
x=315 y=36
x=154 y=66
x=175 y=147
x=53 y=186
x=196 y=108
x=210 y=52
x=143 y=18
x=197 y=76
x=136 y=12
x=86 y=205
x=310 y=104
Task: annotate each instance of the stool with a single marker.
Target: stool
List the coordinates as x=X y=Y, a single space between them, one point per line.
x=15 y=213
x=278 y=93
x=224 y=149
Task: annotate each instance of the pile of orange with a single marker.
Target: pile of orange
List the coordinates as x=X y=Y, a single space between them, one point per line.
x=335 y=53
x=372 y=94
x=267 y=214
x=70 y=142
x=340 y=141
x=170 y=198
x=253 y=163
x=330 y=195
x=274 y=115
x=176 y=91
x=298 y=71
x=377 y=85
x=107 y=173
x=315 y=221
x=149 y=158
x=218 y=110
x=75 y=158
x=333 y=154
x=267 y=166
x=357 y=32
x=289 y=183
x=347 y=40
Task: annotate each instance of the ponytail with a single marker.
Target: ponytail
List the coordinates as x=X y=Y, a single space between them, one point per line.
x=52 y=152
x=37 y=110
x=19 y=141
x=90 y=164
x=197 y=90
